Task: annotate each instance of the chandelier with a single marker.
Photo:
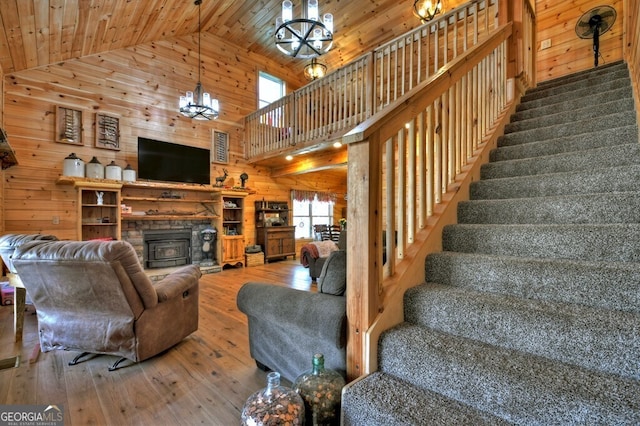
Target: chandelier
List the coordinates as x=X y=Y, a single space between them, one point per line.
x=314 y=70
x=306 y=37
x=426 y=10
x=198 y=104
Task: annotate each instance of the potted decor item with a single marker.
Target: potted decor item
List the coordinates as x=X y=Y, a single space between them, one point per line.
x=321 y=391
x=273 y=405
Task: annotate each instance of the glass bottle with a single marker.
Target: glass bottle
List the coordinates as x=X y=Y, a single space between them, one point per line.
x=321 y=391
x=273 y=405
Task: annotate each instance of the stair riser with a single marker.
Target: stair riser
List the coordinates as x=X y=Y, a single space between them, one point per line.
x=608 y=96
x=581 y=94
x=611 y=243
x=579 y=113
x=580 y=76
x=599 y=139
x=570 y=334
x=616 y=179
x=606 y=208
x=574 y=128
x=569 y=88
x=520 y=388
x=615 y=156
x=584 y=283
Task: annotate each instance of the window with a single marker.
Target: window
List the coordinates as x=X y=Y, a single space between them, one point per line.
x=307 y=213
x=270 y=89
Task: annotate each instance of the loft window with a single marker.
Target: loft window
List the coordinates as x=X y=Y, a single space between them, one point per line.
x=270 y=89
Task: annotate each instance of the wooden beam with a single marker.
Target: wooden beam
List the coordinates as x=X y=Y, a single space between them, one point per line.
x=317 y=162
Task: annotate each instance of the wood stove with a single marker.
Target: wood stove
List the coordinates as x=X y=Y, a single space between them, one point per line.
x=166 y=248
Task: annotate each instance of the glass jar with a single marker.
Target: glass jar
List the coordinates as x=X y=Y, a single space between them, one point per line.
x=321 y=391
x=273 y=405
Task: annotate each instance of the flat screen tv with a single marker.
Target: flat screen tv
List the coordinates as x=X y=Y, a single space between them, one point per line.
x=165 y=161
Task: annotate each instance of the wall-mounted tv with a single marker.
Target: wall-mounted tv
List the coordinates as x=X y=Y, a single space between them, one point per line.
x=165 y=161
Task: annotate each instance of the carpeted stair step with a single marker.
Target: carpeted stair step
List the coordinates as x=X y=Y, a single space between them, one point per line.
x=577 y=127
x=591 y=242
x=518 y=387
x=614 y=179
x=592 y=82
x=612 y=156
x=572 y=281
x=611 y=207
x=572 y=104
x=598 y=139
x=581 y=112
x=587 y=94
x=581 y=75
x=561 y=331
x=382 y=399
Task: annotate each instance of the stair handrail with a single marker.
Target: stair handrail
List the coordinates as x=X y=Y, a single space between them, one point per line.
x=405 y=162
x=325 y=109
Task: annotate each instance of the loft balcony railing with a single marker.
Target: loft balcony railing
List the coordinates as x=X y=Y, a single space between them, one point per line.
x=327 y=108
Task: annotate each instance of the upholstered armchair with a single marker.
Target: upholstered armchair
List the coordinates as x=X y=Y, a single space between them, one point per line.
x=314 y=254
x=288 y=326
x=9 y=243
x=94 y=297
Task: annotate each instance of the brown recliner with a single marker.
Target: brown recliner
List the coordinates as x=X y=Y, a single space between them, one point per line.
x=94 y=297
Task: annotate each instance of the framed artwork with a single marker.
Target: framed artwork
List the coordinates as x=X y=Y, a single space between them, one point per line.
x=107 y=131
x=68 y=125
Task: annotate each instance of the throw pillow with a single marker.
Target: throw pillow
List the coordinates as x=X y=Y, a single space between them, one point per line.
x=333 y=278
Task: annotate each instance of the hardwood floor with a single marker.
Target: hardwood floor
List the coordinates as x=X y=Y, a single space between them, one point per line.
x=205 y=379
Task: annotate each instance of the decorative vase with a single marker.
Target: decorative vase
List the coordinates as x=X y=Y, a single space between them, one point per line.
x=321 y=391
x=94 y=169
x=73 y=166
x=128 y=174
x=113 y=171
x=273 y=405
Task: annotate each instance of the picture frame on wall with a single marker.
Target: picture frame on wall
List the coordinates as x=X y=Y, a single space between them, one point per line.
x=107 y=131
x=68 y=125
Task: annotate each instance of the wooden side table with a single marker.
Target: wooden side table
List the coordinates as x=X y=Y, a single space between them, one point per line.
x=20 y=298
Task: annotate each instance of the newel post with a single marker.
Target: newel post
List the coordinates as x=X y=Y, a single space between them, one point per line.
x=363 y=247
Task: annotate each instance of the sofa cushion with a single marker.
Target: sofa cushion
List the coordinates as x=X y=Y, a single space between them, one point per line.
x=333 y=278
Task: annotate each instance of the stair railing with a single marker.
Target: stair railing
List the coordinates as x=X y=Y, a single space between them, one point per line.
x=411 y=162
x=631 y=43
x=327 y=108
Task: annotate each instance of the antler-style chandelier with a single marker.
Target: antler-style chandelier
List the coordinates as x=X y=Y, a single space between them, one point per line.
x=426 y=10
x=306 y=37
x=314 y=70
x=198 y=104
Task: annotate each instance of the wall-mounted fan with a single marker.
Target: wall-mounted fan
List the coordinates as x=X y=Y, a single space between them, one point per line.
x=593 y=24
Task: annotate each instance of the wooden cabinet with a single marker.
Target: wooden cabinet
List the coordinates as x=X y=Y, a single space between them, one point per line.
x=273 y=231
x=233 y=228
x=98 y=211
x=277 y=241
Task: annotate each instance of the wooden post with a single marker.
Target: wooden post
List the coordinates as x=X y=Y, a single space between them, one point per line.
x=363 y=212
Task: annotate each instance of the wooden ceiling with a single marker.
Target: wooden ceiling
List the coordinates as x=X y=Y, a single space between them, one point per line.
x=36 y=33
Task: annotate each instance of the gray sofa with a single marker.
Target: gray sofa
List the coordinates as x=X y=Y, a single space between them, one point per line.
x=315 y=264
x=288 y=326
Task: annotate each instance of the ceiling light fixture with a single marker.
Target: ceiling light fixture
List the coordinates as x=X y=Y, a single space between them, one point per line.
x=198 y=104
x=306 y=37
x=426 y=10
x=314 y=70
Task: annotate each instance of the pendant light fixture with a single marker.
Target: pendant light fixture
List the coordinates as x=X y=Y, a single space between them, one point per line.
x=305 y=37
x=426 y=10
x=198 y=104
x=314 y=70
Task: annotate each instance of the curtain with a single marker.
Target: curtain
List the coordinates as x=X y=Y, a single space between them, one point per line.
x=300 y=195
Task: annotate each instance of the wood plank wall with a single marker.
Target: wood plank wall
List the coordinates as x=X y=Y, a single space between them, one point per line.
x=556 y=20
x=141 y=86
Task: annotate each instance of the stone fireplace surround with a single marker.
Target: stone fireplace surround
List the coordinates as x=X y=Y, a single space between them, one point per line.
x=133 y=232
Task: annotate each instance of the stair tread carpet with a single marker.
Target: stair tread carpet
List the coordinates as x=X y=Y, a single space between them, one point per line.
x=530 y=314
